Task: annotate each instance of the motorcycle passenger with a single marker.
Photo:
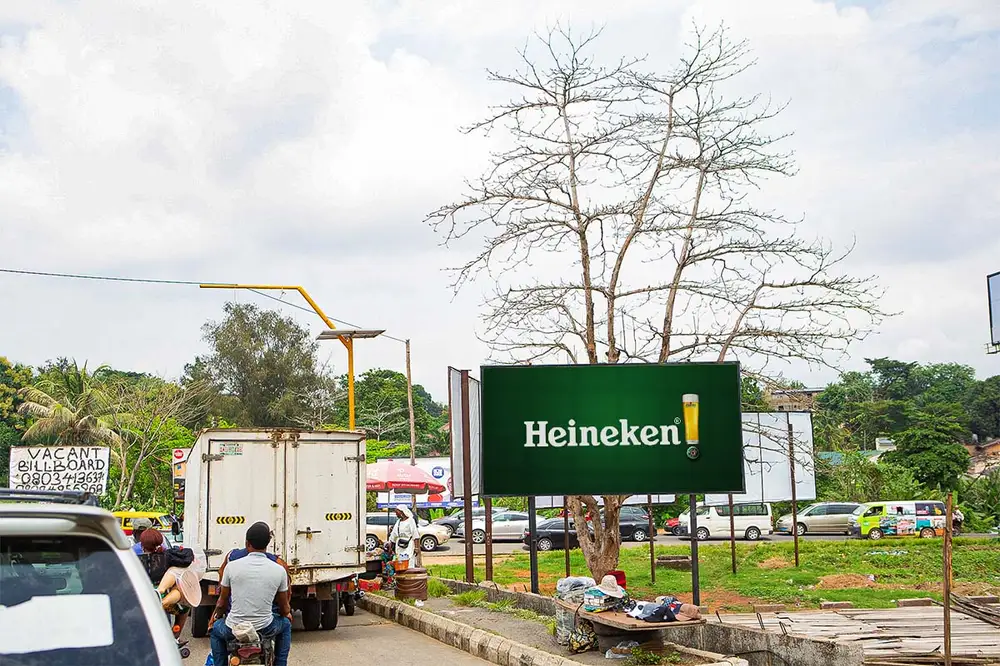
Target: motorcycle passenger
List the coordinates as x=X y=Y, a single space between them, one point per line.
x=161 y=564
x=254 y=584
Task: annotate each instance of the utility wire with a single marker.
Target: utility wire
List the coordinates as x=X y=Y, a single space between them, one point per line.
x=109 y=278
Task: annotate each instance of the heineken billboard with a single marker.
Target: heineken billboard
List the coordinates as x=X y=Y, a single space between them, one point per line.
x=611 y=429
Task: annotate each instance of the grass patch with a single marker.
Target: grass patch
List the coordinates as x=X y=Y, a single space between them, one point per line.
x=435 y=588
x=902 y=568
x=640 y=657
x=470 y=598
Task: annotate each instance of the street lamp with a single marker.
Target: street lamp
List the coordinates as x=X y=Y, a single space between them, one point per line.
x=347 y=337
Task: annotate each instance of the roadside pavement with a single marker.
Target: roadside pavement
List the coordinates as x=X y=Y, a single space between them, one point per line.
x=361 y=639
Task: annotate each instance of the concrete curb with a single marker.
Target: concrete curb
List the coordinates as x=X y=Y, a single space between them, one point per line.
x=491 y=647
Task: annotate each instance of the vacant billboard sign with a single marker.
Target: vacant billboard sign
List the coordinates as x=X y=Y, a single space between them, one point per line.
x=81 y=468
x=993 y=292
x=611 y=429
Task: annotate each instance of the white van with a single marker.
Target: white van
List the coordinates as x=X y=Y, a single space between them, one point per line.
x=751 y=521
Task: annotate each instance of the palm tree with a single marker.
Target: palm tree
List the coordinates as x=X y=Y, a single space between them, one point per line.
x=68 y=408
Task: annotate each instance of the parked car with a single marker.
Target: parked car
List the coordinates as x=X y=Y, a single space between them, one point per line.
x=379 y=525
x=507 y=526
x=633 y=522
x=69 y=567
x=551 y=534
x=875 y=520
x=820 y=518
x=452 y=522
x=751 y=521
x=673 y=525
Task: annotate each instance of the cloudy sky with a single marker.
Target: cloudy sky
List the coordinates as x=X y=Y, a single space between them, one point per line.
x=303 y=143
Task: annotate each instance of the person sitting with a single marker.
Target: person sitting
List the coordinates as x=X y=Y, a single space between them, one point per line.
x=139 y=525
x=253 y=583
x=165 y=568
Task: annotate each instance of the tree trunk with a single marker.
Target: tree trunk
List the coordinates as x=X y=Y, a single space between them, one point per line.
x=601 y=544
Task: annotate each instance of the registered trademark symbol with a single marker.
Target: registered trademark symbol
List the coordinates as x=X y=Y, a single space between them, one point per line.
x=677 y=420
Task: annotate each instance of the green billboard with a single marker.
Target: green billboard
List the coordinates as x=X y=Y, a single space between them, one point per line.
x=611 y=429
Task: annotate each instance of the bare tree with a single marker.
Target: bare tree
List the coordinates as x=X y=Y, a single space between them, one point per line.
x=147 y=417
x=317 y=406
x=620 y=223
x=379 y=418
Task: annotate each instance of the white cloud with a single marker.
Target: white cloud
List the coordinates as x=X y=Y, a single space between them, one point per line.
x=269 y=142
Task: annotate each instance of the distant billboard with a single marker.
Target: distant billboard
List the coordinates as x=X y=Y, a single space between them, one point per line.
x=440 y=469
x=993 y=292
x=767 y=439
x=455 y=409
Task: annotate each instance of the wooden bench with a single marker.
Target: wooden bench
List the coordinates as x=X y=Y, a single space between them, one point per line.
x=612 y=627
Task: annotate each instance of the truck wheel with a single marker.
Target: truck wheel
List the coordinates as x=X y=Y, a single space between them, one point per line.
x=200 y=617
x=312 y=612
x=349 y=604
x=331 y=613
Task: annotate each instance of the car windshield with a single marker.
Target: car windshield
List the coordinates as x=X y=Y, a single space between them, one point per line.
x=858 y=511
x=68 y=600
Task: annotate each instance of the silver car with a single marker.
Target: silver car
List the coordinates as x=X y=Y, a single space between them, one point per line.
x=820 y=518
x=71 y=589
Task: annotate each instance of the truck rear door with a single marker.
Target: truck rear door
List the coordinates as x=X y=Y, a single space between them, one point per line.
x=244 y=482
x=323 y=506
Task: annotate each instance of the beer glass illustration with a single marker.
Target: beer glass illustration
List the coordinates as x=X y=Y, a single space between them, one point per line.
x=690 y=401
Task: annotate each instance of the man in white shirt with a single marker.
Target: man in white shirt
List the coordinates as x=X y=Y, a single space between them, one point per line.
x=255 y=584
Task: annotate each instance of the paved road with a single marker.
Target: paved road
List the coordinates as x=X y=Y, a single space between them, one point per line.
x=362 y=639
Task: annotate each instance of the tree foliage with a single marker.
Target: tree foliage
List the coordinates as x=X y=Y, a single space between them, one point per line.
x=266 y=360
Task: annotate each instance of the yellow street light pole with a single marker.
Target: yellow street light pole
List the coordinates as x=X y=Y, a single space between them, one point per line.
x=346 y=337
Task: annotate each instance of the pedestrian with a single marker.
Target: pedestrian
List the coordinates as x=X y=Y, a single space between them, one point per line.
x=404 y=537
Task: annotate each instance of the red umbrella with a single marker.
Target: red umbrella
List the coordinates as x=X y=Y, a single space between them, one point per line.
x=387 y=475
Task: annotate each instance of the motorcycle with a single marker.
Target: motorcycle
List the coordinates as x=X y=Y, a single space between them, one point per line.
x=251 y=648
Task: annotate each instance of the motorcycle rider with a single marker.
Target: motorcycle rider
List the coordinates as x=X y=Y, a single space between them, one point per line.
x=254 y=583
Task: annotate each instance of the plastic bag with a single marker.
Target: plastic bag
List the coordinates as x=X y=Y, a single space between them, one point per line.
x=621 y=651
x=245 y=633
x=573 y=583
x=583 y=638
x=565 y=623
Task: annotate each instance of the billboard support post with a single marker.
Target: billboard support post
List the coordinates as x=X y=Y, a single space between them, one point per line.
x=732 y=531
x=488 y=505
x=533 y=547
x=467 y=479
x=652 y=539
x=566 y=532
x=795 y=504
x=695 y=582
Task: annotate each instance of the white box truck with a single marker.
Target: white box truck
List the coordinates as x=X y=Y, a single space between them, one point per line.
x=308 y=486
